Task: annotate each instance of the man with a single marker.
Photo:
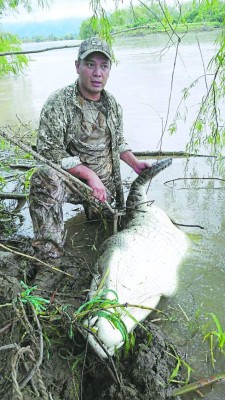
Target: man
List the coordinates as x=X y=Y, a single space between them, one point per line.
x=81 y=130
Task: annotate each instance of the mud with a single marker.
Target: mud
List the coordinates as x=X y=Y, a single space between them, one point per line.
x=44 y=355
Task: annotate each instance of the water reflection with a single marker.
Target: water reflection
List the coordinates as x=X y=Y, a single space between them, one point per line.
x=196 y=201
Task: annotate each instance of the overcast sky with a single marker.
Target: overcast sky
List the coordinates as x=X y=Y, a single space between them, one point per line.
x=61 y=9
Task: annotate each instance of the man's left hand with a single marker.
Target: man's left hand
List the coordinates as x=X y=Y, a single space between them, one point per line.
x=139 y=166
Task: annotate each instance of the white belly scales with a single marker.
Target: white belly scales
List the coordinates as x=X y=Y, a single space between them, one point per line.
x=142 y=264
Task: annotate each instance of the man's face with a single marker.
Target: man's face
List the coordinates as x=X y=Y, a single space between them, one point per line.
x=93 y=74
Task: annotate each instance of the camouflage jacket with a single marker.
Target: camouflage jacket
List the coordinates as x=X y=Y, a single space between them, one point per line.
x=60 y=124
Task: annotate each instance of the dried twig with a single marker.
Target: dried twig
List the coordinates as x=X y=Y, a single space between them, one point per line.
x=11 y=346
x=194 y=179
x=14 y=364
x=18 y=386
x=35 y=259
x=188 y=225
x=113 y=373
x=40 y=348
x=192 y=387
x=14 y=53
x=13 y=196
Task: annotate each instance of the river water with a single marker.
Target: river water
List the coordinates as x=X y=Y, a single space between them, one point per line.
x=194 y=195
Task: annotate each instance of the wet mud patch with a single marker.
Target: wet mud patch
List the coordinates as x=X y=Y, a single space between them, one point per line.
x=44 y=355
x=142 y=374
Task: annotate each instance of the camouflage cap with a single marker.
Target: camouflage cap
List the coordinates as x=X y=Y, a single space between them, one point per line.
x=92 y=45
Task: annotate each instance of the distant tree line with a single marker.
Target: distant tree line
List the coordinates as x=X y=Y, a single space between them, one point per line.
x=153 y=17
x=51 y=38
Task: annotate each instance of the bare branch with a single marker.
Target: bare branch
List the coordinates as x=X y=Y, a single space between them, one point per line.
x=13 y=53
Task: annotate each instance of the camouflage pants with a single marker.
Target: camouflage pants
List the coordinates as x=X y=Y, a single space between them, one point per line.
x=48 y=192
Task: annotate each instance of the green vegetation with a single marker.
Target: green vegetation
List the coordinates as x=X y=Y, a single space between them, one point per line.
x=217 y=333
x=18 y=181
x=152 y=17
x=179 y=363
x=39 y=303
x=11 y=64
x=14 y=155
x=101 y=306
x=14 y=64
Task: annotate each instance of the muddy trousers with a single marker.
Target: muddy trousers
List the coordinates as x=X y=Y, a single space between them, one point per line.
x=48 y=192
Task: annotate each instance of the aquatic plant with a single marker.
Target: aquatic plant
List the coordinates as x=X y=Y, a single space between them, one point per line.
x=219 y=334
x=38 y=303
x=110 y=309
x=179 y=363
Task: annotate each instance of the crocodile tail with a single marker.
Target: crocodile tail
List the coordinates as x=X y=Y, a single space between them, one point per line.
x=135 y=196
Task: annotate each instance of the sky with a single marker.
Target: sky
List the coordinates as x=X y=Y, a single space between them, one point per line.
x=61 y=9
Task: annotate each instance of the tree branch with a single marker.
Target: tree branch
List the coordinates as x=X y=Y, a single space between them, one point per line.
x=192 y=387
x=13 y=196
x=14 y=53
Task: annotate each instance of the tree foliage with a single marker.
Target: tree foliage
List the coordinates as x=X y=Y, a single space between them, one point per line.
x=155 y=15
x=14 y=64
x=8 y=6
x=11 y=64
x=209 y=125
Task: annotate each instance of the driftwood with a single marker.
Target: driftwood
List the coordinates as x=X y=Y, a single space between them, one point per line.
x=161 y=153
x=13 y=196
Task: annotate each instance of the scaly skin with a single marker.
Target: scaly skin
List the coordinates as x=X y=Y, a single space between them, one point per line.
x=136 y=196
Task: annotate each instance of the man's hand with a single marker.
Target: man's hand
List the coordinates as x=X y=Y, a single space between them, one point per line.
x=95 y=183
x=137 y=165
x=99 y=190
x=140 y=165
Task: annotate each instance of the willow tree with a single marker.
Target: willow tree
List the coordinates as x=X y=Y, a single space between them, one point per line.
x=14 y=63
x=208 y=128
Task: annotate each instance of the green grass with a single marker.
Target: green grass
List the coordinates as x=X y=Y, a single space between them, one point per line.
x=217 y=333
x=39 y=303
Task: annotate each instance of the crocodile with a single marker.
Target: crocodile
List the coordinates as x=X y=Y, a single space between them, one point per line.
x=140 y=264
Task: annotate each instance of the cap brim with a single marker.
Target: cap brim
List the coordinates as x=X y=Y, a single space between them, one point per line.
x=86 y=53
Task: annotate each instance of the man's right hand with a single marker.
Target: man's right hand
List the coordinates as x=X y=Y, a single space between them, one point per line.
x=99 y=190
x=95 y=183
